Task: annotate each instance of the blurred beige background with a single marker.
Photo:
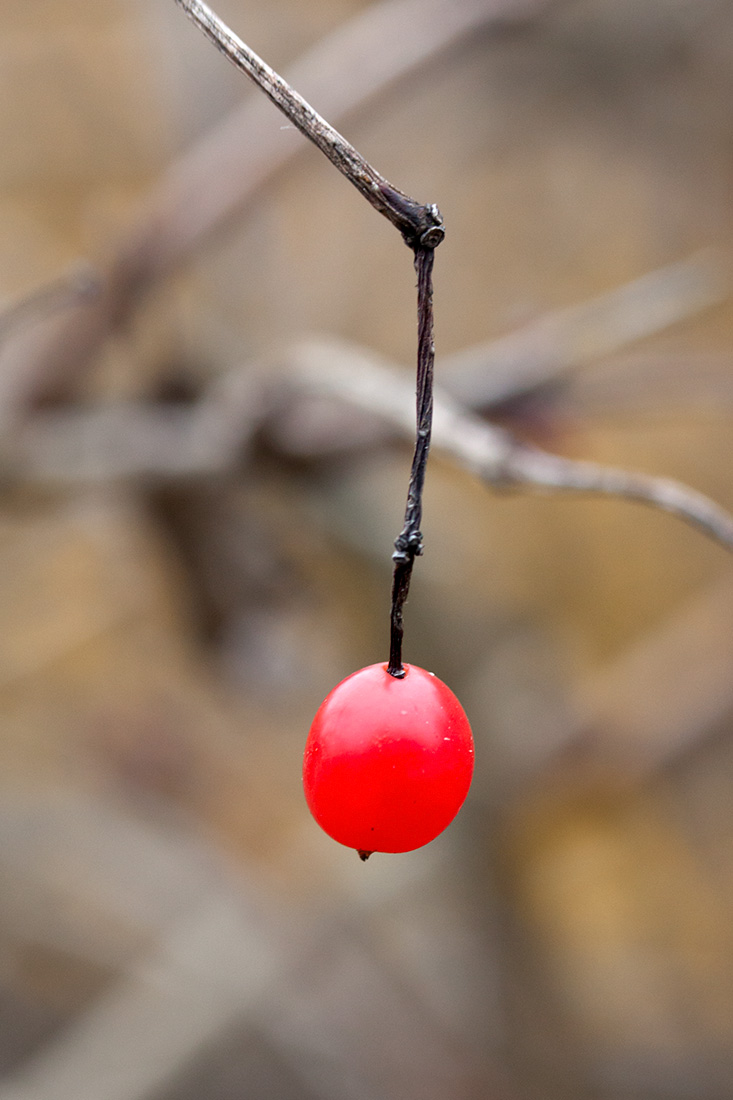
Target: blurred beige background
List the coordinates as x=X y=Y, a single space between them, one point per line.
x=192 y=553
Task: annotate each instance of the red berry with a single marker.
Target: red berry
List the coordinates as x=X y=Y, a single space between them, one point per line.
x=388 y=761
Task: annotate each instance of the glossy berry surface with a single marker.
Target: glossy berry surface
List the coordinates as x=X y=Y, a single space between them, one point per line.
x=388 y=762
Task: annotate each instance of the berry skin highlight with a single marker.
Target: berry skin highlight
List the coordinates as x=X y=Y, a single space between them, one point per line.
x=388 y=761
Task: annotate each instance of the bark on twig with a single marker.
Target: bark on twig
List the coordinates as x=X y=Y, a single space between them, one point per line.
x=421 y=226
x=408 y=544
x=419 y=223
x=215 y=179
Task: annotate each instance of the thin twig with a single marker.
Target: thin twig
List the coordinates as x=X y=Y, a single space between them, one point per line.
x=419 y=223
x=408 y=544
x=215 y=179
x=421 y=226
x=367 y=54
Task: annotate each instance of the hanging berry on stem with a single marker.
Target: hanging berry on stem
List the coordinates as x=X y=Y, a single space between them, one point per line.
x=389 y=756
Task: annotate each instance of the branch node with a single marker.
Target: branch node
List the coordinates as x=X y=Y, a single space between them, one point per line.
x=434 y=232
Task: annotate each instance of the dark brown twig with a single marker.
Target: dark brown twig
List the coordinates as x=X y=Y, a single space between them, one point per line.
x=420 y=224
x=408 y=544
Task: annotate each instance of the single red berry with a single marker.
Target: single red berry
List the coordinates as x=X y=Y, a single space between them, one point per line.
x=388 y=762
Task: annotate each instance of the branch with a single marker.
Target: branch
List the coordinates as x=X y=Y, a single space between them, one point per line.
x=490 y=452
x=216 y=178
x=408 y=544
x=134 y=441
x=418 y=223
x=534 y=468
x=421 y=227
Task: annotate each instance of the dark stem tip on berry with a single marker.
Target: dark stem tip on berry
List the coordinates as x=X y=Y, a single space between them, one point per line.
x=363 y=855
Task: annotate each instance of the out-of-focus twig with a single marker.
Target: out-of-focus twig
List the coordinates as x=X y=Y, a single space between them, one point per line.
x=212 y=957
x=557 y=343
x=223 y=171
x=495 y=455
x=173 y=1003
x=658 y=702
x=139 y=441
x=80 y=285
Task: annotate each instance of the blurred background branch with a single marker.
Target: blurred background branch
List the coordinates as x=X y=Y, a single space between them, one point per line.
x=202 y=471
x=140 y=441
x=225 y=170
